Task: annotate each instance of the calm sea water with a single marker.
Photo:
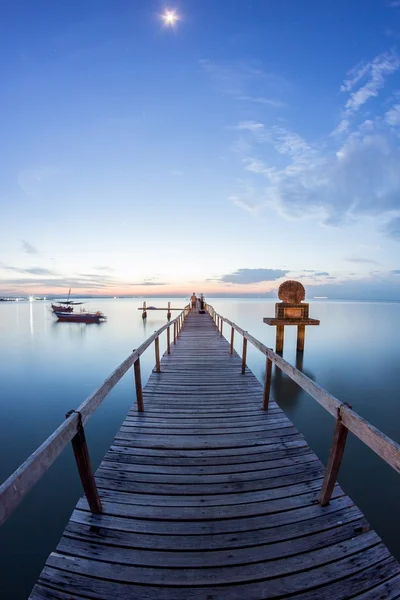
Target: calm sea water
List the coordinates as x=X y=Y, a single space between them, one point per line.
x=47 y=368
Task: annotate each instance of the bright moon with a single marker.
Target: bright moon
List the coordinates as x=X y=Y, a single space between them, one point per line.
x=170 y=18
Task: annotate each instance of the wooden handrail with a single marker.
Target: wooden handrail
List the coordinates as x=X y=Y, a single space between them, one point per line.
x=376 y=440
x=17 y=486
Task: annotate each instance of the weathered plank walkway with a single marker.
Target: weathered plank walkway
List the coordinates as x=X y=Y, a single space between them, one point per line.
x=207 y=497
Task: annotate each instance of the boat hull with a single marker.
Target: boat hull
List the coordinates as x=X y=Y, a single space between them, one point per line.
x=65 y=309
x=80 y=317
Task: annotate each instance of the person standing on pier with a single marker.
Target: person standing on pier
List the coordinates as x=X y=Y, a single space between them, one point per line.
x=193 y=300
x=201 y=303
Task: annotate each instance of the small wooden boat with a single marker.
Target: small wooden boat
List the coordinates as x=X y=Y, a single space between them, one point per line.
x=81 y=317
x=65 y=306
x=60 y=308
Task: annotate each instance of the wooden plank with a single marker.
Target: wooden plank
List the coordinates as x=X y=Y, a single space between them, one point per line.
x=103 y=550
x=230 y=527
x=261 y=588
x=283 y=322
x=114 y=531
x=221 y=575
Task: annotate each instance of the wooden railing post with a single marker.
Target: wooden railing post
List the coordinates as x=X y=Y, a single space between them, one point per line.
x=174 y=333
x=138 y=384
x=232 y=338
x=222 y=324
x=168 y=341
x=157 y=353
x=334 y=460
x=267 y=383
x=244 y=354
x=82 y=458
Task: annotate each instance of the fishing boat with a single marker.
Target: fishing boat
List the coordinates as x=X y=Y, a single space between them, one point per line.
x=81 y=317
x=65 y=306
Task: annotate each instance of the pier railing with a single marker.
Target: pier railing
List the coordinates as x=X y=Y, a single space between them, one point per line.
x=17 y=486
x=346 y=418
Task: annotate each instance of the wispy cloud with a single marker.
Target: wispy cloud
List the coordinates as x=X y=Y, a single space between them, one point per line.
x=334 y=181
x=104 y=268
x=252 y=126
x=246 y=82
x=392 y=116
x=29 y=270
x=149 y=283
x=394 y=3
x=61 y=282
x=366 y=261
x=245 y=276
x=261 y=100
x=373 y=75
x=28 y=248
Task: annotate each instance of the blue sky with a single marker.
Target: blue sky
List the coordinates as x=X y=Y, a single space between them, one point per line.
x=251 y=142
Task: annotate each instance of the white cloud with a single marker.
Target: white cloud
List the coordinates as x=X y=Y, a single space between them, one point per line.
x=392 y=116
x=252 y=126
x=359 y=177
x=245 y=276
x=374 y=74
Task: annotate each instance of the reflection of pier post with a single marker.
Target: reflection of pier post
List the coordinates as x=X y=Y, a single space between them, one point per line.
x=144 y=313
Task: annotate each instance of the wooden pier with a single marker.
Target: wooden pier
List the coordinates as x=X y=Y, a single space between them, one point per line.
x=206 y=496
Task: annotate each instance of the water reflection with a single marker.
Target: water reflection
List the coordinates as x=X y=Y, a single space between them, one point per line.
x=284 y=390
x=31 y=319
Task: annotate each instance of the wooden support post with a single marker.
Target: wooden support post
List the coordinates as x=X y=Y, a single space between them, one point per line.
x=244 y=354
x=169 y=311
x=138 y=383
x=267 y=383
x=232 y=338
x=144 y=313
x=157 y=353
x=279 y=338
x=222 y=324
x=168 y=341
x=174 y=333
x=334 y=460
x=82 y=458
x=301 y=334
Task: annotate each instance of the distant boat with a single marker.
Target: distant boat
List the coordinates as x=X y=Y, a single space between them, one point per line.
x=66 y=306
x=81 y=317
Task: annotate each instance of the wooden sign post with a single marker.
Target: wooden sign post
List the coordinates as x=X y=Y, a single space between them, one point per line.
x=291 y=311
